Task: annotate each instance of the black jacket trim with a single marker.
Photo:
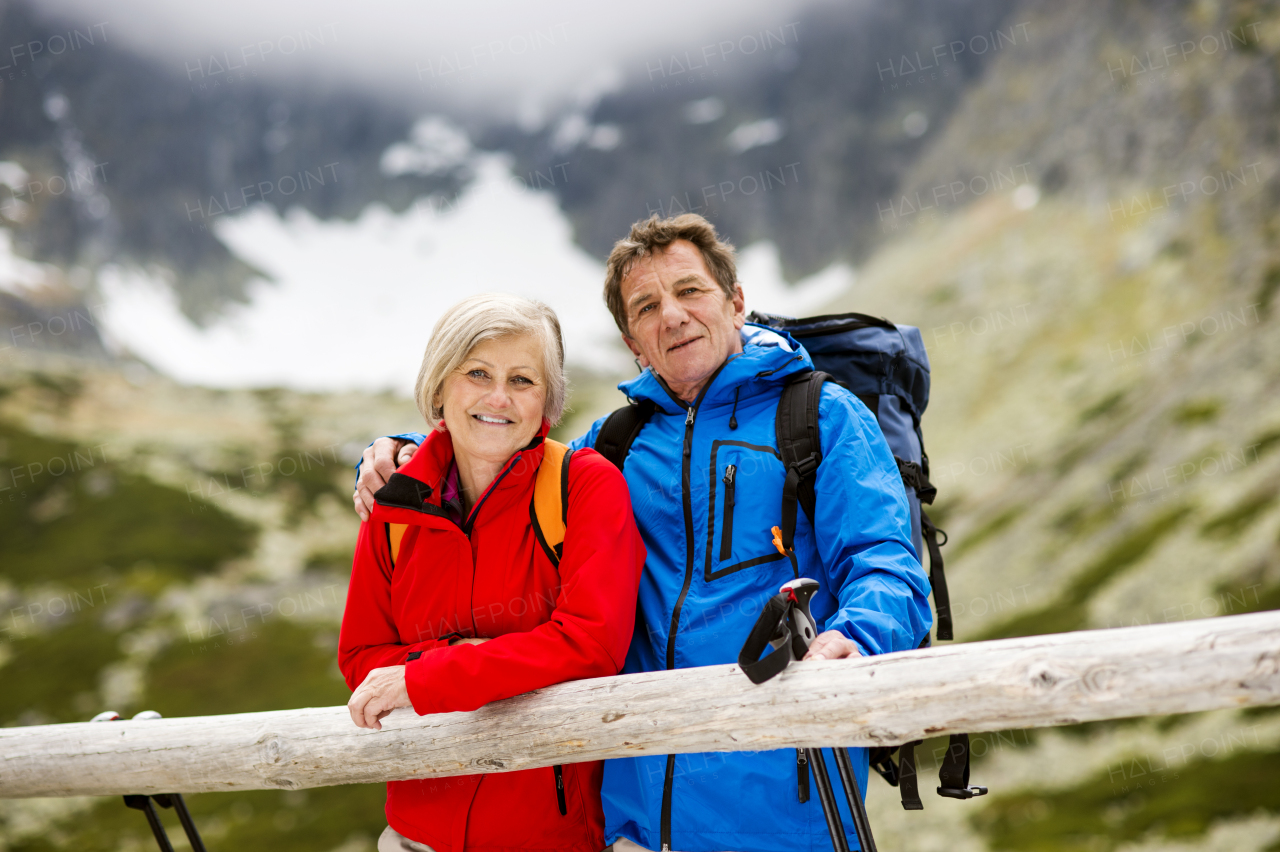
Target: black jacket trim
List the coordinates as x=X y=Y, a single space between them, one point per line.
x=405 y=492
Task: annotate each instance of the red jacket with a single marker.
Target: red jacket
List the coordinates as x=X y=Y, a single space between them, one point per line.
x=490 y=578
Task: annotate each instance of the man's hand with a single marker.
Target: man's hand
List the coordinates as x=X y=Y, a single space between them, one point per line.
x=832 y=645
x=379 y=461
x=383 y=690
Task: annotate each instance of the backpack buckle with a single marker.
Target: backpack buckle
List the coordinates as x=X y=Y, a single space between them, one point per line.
x=806 y=466
x=881 y=760
x=962 y=792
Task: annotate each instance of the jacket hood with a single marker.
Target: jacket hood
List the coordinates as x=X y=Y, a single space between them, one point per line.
x=767 y=359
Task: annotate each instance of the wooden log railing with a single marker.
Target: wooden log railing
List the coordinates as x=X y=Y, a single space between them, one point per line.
x=1036 y=681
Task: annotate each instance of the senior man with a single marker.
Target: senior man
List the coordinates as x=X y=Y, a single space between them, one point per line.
x=706 y=487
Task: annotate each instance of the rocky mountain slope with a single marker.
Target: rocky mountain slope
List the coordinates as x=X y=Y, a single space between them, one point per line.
x=1105 y=418
x=792 y=133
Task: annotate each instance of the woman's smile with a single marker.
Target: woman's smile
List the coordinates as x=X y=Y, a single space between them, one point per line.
x=493 y=406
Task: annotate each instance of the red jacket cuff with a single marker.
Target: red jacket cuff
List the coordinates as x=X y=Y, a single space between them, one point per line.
x=417 y=674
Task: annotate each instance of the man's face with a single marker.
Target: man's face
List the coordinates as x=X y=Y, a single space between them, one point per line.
x=679 y=321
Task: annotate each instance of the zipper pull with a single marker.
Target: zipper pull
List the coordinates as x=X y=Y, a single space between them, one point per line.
x=559 y=773
x=688 y=420
x=730 y=473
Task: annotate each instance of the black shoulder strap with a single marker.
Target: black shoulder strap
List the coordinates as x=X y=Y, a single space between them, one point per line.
x=620 y=430
x=953 y=776
x=916 y=477
x=937 y=575
x=564 y=489
x=799 y=445
x=908 y=780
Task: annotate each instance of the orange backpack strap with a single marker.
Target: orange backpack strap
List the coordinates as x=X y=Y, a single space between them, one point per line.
x=549 y=509
x=395 y=536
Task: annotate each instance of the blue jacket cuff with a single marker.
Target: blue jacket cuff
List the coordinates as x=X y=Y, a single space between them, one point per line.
x=415 y=437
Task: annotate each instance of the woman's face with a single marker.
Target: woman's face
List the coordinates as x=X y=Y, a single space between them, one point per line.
x=493 y=402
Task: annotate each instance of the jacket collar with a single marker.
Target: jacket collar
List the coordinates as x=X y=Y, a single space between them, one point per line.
x=419 y=484
x=767 y=359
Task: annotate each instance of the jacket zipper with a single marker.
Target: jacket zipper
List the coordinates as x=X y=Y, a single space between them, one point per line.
x=469 y=522
x=559 y=773
x=685 y=466
x=665 y=829
x=669 y=781
x=726 y=528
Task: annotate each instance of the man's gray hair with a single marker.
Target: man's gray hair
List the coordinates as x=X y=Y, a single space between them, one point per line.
x=489 y=316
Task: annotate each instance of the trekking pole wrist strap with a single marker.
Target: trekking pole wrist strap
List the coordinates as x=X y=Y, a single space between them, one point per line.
x=770 y=628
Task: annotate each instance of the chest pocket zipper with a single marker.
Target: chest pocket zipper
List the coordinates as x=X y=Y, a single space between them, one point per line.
x=726 y=527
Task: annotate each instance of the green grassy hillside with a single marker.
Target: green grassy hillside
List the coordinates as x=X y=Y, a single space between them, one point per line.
x=141 y=521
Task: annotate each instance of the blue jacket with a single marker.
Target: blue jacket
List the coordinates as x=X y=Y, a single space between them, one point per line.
x=711 y=568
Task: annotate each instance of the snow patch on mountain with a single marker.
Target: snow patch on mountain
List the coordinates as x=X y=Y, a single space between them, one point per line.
x=435 y=145
x=351 y=304
x=18 y=275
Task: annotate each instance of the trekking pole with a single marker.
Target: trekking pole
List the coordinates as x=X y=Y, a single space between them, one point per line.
x=179 y=805
x=853 y=793
x=787 y=626
x=143 y=803
x=827 y=797
x=165 y=800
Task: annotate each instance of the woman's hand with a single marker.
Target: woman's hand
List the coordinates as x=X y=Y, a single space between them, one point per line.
x=383 y=690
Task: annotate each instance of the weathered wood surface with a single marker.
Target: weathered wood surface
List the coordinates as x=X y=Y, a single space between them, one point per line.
x=1036 y=681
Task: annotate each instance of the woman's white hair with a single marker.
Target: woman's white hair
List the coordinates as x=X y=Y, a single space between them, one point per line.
x=489 y=316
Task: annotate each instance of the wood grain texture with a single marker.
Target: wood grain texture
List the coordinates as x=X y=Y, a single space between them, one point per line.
x=1036 y=681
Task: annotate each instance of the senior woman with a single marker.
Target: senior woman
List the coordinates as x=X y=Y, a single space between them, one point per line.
x=453 y=602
